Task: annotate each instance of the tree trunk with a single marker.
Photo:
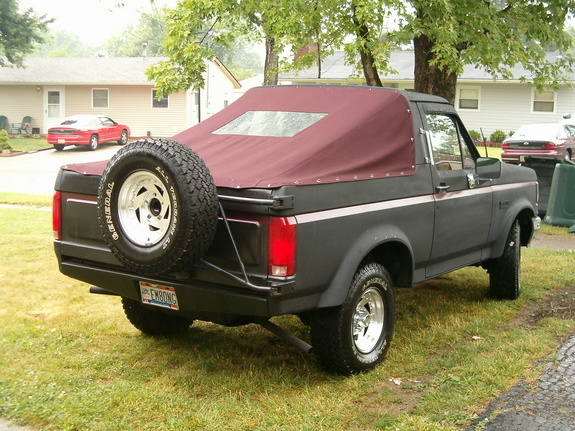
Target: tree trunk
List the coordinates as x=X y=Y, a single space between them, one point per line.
x=430 y=79
x=367 y=59
x=271 y=63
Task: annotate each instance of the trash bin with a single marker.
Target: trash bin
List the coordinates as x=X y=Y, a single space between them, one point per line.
x=544 y=168
x=561 y=206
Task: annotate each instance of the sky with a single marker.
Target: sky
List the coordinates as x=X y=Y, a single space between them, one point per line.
x=93 y=20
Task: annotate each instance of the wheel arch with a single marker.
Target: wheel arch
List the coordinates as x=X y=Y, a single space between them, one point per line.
x=392 y=250
x=525 y=216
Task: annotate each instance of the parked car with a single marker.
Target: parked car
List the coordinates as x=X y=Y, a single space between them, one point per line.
x=545 y=140
x=89 y=130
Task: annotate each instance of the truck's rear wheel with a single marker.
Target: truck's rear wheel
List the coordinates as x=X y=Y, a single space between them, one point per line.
x=157 y=206
x=355 y=336
x=505 y=271
x=154 y=322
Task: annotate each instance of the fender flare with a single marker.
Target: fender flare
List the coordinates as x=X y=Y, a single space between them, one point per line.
x=369 y=241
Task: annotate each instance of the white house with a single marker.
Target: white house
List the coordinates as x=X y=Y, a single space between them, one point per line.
x=49 y=89
x=481 y=102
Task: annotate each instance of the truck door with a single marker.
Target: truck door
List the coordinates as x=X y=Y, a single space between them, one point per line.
x=462 y=204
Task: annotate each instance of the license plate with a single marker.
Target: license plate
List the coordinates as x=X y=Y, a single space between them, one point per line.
x=61 y=141
x=158 y=295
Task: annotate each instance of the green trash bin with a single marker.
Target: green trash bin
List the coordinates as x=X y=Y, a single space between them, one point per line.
x=561 y=206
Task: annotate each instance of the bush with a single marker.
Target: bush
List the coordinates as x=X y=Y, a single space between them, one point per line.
x=475 y=135
x=5 y=141
x=497 y=136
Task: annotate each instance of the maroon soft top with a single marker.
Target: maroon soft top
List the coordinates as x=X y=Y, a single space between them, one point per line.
x=363 y=133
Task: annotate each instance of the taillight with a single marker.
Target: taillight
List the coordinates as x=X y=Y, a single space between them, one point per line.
x=550 y=146
x=57 y=215
x=505 y=146
x=282 y=246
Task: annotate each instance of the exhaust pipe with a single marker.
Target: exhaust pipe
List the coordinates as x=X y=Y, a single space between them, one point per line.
x=99 y=291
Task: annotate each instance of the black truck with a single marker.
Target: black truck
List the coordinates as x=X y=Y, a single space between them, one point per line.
x=316 y=201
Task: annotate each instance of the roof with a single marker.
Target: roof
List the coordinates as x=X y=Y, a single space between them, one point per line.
x=341 y=143
x=87 y=71
x=335 y=67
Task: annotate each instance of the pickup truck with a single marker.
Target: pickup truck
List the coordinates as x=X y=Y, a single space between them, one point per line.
x=316 y=201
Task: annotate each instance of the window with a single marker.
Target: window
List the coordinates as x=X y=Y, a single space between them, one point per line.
x=468 y=98
x=100 y=98
x=281 y=124
x=543 y=101
x=450 y=152
x=163 y=102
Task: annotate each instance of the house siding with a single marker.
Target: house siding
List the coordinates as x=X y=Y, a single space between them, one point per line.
x=508 y=106
x=21 y=100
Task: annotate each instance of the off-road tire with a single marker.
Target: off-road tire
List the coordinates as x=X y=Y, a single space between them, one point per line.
x=154 y=322
x=354 y=337
x=505 y=271
x=157 y=206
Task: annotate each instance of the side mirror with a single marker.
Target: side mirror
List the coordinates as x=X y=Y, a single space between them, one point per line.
x=487 y=167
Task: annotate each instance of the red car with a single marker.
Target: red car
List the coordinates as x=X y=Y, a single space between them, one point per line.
x=545 y=140
x=89 y=130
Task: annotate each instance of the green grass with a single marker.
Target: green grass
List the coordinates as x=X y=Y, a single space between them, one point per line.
x=29 y=144
x=71 y=361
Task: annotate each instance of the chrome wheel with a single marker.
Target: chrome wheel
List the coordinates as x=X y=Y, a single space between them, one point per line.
x=93 y=142
x=368 y=320
x=123 y=138
x=144 y=208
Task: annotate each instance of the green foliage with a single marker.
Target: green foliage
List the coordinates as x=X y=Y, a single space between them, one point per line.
x=5 y=140
x=475 y=135
x=450 y=34
x=150 y=30
x=64 y=43
x=497 y=136
x=20 y=31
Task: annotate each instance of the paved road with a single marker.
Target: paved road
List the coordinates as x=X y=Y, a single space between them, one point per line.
x=36 y=173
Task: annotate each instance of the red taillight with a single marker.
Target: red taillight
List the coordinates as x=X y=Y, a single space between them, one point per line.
x=57 y=215
x=505 y=146
x=550 y=146
x=282 y=246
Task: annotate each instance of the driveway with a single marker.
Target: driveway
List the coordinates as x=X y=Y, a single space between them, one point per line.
x=36 y=173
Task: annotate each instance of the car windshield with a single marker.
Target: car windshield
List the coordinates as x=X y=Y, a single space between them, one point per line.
x=540 y=131
x=281 y=124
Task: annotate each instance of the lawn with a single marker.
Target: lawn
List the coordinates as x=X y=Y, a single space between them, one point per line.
x=28 y=144
x=71 y=361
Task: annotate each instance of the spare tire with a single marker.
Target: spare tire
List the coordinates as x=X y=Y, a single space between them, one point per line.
x=157 y=206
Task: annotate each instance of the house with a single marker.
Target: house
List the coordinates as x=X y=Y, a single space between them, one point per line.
x=482 y=103
x=49 y=89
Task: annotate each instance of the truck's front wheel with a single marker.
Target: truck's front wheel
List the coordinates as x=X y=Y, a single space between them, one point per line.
x=355 y=336
x=505 y=271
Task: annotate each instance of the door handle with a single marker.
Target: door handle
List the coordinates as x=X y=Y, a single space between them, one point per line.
x=442 y=187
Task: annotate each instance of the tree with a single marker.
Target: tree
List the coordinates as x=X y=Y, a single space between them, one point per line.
x=19 y=31
x=150 y=30
x=63 y=43
x=446 y=35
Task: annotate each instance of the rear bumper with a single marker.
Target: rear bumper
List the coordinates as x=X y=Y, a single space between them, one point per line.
x=67 y=140
x=518 y=156
x=193 y=298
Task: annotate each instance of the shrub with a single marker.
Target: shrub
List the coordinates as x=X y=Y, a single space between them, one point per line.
x=5 y=141
x=475 y=135
x=497 y=136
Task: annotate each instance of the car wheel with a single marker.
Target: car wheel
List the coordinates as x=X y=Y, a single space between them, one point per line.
x=157 y=206
x=154 y=322
x=59 y=147
x=355 y=336
x=505 y=271
x=568 y=155
x=93 y=142
x=123 y=138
